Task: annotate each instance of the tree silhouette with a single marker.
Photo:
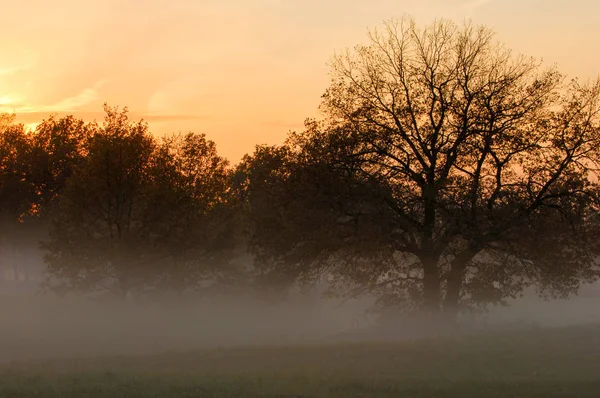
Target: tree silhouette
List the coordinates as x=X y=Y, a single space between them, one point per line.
x=34 y=168
x=16 y=190
x=96 y=232
x=447 y=173
x=189 y=206
x=57 y=149
x=138 y=213
x=18 y=193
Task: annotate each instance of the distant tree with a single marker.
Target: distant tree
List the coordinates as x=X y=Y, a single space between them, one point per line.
x=35 y=167
x=189 y=209
x=57 y=149
x=138 y=213
x=447 y=174
x=96 y=234
x=16 y=190
x=265 y=190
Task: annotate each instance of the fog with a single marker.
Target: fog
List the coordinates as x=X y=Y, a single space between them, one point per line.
x=42 y=327
x=48 y=326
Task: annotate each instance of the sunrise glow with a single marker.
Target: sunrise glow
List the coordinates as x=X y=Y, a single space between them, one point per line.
x=243 y=72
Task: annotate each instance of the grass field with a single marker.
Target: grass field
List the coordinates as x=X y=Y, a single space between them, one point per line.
x=562 y=362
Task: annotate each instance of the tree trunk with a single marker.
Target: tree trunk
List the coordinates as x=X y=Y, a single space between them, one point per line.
x=431 y=286
x=451 y=305
x=428 y=257
x=454 y=281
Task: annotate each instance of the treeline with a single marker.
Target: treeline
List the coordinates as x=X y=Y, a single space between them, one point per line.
x=446 y=174
x=122 y=209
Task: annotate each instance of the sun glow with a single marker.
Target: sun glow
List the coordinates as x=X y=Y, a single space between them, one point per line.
x=242 y=72
x=31 y=126
x=6 y=100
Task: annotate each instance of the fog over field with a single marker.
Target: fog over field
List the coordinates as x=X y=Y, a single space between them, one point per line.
x=39 y=325
x=46 y=326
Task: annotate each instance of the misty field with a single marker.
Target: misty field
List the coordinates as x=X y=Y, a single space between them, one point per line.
x=554 y=362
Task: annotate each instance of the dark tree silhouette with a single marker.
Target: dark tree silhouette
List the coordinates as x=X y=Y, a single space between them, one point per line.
x=96 y=232
x=16 y=190
x=57 y=149
x=36 y=166
x=191 y=211
x=137 y=213
x=18 y=193
x=447 y=173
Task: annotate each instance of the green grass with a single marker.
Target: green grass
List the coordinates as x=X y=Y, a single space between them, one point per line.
x=536 y=363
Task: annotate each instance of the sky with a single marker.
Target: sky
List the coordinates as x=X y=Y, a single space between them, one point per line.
x=244 y=72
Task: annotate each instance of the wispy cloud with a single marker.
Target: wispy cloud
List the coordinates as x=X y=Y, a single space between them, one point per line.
x=69 y=104
x=476 y=3
x=11 y=103
x=174 y=117
x=33 y=118
x=16 y=60
x=75 y=102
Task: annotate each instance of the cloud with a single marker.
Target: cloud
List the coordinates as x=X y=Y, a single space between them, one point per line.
x=476 y=3
x=173 y=117
x=15 y=60
x=11 y=103
x=69 y=104
x=85 y=97
x=7 y=100
x=35 y=117
x=186 y=93
x=282 y=124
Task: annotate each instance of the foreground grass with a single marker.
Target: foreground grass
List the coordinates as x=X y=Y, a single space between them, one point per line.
x=544 y=363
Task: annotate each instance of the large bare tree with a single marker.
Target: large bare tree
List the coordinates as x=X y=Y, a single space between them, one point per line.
x=472 y=172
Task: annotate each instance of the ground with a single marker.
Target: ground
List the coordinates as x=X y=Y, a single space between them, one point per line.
x=558 y=362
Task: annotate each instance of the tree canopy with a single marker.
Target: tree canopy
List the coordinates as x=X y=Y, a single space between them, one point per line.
x=139 y=213
x=446 y=173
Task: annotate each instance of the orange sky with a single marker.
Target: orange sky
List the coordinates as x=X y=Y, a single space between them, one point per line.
x=242 y=71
